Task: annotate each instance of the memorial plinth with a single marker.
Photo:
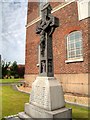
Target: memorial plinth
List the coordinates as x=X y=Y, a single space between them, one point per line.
x=47 y=93
x=46 y=98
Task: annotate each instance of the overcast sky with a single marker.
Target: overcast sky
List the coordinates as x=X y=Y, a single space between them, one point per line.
x=13 y=15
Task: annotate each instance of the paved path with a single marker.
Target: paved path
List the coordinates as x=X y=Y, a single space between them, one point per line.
x=13 y=83
x=12 y=118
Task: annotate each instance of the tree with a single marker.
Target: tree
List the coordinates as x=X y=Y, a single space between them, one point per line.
x=14 y=69
x=5 y=66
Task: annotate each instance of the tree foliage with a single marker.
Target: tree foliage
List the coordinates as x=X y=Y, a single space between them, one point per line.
x=5 y=70
x=14 y=69
x=8 y=70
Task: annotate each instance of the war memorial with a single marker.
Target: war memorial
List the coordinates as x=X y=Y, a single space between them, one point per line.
x=47 y=97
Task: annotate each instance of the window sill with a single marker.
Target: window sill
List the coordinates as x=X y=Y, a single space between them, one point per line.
x=74 y=60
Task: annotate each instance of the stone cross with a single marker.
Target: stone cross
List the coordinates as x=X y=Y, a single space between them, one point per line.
x=46 y=98
x=45 y=29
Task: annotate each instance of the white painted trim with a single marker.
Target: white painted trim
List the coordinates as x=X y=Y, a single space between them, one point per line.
x=33 y=22
x=74 y=60
x=54 y=10
x=83 y=9
x=61 y=6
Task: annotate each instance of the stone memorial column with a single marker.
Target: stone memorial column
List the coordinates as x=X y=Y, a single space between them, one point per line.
x=47 y=98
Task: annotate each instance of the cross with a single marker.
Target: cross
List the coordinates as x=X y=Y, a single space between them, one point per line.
x=45 y=29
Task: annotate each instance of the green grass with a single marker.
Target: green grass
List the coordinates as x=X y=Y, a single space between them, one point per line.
x=9 y=80
x=0 y=102
x=78 y=112
x=12 y=101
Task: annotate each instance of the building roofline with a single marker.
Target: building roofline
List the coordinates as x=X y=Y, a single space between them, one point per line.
x=54 y=10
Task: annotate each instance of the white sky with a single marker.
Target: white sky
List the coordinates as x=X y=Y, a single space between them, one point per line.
x=13 y=15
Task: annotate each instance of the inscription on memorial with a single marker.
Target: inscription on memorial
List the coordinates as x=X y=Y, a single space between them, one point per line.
x=39 y=95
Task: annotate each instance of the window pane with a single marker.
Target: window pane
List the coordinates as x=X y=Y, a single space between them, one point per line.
x=71 y=47
x=74 y=45
x=78 y=52
x=78 y=45
x=69 y=55
x=77 y=35
x=71 y=37
x=72 y=54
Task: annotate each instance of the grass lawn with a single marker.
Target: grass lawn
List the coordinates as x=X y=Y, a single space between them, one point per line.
x=12 y=101
x=10 y=80
x=79 y=112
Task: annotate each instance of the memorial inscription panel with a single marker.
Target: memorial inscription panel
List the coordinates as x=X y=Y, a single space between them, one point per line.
x=40 y=94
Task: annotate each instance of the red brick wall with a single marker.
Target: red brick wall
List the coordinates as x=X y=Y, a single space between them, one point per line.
x=68 y=17
x=69 y=22
x=33 y=11
x=89 y=45
x=31 y=50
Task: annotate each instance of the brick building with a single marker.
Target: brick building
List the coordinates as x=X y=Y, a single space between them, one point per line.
x=71 y=45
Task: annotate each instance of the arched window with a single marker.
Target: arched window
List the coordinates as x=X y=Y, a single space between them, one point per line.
x=74 y=45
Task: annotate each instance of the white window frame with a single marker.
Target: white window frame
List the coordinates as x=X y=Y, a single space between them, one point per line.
x=75 y=58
